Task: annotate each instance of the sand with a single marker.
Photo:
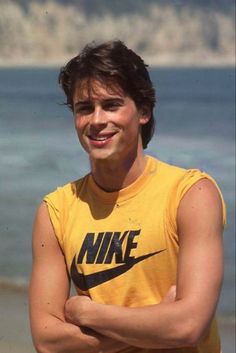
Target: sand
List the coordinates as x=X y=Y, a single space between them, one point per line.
x=15 y=330
x=14 y=324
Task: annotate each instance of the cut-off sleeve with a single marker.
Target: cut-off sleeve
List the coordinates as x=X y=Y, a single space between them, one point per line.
x=191 y=177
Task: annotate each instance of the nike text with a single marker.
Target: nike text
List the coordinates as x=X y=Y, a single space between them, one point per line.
x=101 y=248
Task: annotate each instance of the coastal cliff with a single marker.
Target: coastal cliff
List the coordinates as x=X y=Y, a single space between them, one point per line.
x=163 y=32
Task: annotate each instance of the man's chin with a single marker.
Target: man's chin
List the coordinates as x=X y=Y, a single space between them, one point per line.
x=102 y=155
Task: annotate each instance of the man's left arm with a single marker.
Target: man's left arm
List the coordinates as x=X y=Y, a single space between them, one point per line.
x=182 y=322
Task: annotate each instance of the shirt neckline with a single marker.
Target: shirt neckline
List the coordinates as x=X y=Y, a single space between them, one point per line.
x=127 y=192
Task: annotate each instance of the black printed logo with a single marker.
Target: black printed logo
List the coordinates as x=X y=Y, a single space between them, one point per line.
x=102 y=250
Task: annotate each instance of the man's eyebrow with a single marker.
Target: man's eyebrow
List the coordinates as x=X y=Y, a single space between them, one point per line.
x=105 y=100
x=85 y=101
x=120 y=99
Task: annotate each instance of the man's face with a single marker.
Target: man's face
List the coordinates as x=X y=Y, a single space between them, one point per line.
x=107 y=122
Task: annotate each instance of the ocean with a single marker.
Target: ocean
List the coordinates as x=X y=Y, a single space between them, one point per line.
x=195 y=128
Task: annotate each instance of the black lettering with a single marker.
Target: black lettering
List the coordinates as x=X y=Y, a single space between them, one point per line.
x=131 y=245
x=104 y=247
x=90 y=247
x=116 y=248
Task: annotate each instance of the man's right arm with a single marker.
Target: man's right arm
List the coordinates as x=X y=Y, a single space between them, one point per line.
x=49 y=290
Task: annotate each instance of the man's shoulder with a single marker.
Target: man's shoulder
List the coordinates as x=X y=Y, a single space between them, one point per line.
x=167 y=170
x=169 y=175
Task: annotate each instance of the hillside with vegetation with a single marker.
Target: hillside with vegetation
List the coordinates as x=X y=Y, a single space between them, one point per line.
x=166 y=32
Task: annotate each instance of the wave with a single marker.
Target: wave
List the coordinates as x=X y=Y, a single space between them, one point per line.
x=18 y=284
x=224 y=319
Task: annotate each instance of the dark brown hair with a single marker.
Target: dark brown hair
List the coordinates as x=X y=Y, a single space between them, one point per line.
x=113 y=65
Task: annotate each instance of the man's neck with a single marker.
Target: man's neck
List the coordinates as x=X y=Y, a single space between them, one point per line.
x=116 y=175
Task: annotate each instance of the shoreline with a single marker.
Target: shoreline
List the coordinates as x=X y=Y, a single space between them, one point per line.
x=15 y=334
x=194 y=60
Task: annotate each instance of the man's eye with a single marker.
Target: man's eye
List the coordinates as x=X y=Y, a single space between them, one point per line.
x=112 y=106
x=84 y=109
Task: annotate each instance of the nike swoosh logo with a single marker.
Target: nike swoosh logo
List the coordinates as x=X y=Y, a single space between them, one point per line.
x=85 y=282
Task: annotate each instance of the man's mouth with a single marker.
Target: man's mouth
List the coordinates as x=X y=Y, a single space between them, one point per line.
x=98 y=138
x=101 y=137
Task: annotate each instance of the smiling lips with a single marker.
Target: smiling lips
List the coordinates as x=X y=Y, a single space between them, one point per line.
x=100 y=139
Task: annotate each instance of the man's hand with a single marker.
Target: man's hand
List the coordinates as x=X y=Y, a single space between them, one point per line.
x=76 y=308
x=170 y=296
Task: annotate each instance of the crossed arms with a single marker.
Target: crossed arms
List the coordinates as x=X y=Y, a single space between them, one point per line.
x=57 y=321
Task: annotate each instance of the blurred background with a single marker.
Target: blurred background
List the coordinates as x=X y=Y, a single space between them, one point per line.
x=167 y=32
x=190 y=49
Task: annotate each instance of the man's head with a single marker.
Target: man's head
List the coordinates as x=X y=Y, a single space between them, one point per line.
x=118 y=69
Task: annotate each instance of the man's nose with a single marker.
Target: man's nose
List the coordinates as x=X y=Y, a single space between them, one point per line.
x=98 y=117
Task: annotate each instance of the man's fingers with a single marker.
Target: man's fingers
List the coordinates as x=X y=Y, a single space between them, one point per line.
x=170 y=295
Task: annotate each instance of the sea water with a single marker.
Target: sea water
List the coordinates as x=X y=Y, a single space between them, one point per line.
x=39 y=150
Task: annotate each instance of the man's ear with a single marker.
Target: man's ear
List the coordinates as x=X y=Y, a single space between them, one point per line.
x=145 y=116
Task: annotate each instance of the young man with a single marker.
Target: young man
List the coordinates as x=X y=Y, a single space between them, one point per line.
x=140 y=239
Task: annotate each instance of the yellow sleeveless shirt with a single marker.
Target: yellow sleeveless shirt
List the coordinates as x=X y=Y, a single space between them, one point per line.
x=121 y=247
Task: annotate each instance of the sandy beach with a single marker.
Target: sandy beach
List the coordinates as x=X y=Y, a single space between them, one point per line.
x=14 y=324
x=15 y=332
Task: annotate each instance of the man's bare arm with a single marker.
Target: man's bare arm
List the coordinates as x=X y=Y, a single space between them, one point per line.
x=49 y=290
x=199 y=276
